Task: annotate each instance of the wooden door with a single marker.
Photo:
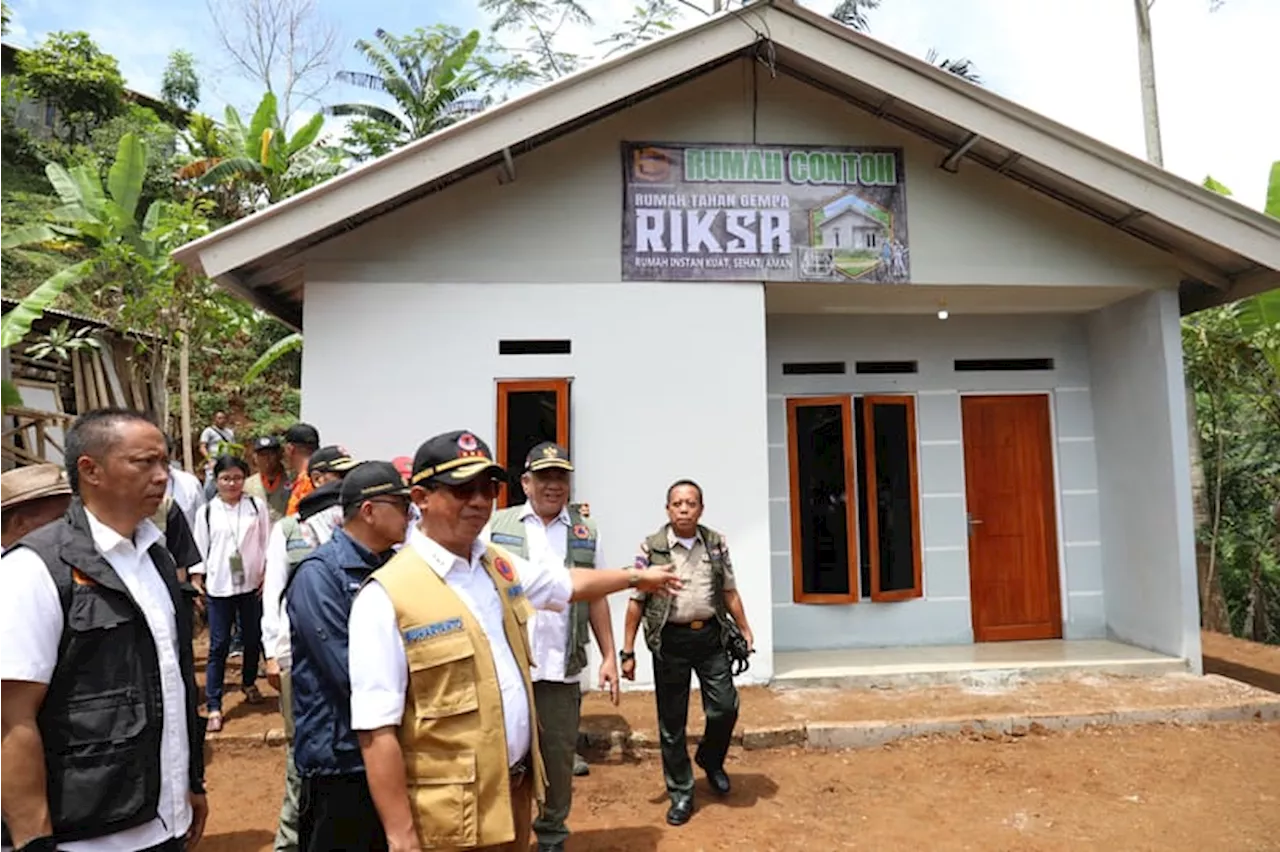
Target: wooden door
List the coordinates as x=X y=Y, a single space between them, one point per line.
x=1013 y=540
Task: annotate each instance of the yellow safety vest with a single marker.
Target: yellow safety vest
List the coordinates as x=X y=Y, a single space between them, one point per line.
x=453 y=734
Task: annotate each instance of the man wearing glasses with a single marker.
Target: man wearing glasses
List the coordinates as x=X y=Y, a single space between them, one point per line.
x=337 y=811
x=440 y=689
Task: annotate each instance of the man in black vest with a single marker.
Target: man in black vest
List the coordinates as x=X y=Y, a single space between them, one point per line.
x=101 y=738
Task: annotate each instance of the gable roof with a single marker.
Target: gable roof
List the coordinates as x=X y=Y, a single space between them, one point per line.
x=853 y=213
x=1225 y=250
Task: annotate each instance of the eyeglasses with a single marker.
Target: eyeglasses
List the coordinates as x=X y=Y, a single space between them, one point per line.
x=401 y=506
x=230 y=480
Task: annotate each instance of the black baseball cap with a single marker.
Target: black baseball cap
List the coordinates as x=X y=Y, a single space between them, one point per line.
x=322 y=498
x=266 y=443
x=372 y=479
x=547 y=455
x=454 y=458
x=330 y=459
x=302 y=434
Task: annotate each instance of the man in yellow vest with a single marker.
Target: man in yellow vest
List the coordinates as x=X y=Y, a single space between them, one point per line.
x=440 y=687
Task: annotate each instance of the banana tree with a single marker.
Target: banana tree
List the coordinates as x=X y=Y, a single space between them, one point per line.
x=89 y=217
x=261 y=155
x=277 y=350
x=425 y=72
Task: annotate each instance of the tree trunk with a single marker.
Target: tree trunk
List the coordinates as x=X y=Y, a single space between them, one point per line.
x=1147 y=77
x=184 y=383
x=1213 y=606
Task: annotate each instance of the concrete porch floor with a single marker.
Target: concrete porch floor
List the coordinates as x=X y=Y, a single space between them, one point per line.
x=987 y=662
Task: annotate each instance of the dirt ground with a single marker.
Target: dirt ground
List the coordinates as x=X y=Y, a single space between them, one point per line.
x=1245 y=661
x=1215 y=787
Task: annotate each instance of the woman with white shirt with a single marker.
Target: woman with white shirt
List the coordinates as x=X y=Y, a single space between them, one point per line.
x=231 y=531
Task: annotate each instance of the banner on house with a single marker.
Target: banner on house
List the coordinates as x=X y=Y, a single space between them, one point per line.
x=731 y=212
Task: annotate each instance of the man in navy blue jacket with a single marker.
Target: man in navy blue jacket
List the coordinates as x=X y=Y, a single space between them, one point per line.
x=337 y=810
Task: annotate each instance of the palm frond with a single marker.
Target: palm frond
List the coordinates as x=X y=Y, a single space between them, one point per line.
x=361 y=79
x=30 y=235
x=15 y=324
x=369 y=111
x=230 y=168
x=275 y=352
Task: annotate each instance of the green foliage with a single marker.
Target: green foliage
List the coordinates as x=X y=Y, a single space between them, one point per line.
x=853 y=13
x=647 y=22
x=539 y=61
x=61 y=341
x=266 y=163
x=180 y=87
x=282 y=347
x=68 y=71
x=428 y=73
x=1232 y=358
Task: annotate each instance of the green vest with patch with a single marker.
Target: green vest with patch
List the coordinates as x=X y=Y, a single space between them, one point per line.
x=507 y=531
x=657 y=608
x=296 y=546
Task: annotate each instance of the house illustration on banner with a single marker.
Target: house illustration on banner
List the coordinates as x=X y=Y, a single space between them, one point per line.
x=852 y=230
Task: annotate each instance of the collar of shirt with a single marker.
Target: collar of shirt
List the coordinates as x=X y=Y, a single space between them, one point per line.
x=443 y=561
x=371 y=560
x=673 y=539
x=528 y=513
x=106 y=539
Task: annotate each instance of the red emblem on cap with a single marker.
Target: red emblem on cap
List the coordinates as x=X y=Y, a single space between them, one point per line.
x=581 y=531
x=503 y=567
x=467 y=441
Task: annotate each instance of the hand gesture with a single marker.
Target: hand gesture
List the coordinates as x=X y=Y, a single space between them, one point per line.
x=629 y=669
x=658 y=581
x=609 y=679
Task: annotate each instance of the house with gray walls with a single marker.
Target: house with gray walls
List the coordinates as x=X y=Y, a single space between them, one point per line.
x=974 y=440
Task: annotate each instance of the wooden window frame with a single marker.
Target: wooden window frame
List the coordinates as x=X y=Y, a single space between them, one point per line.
x=869 y=402
x=798 y=594
x=506 y=387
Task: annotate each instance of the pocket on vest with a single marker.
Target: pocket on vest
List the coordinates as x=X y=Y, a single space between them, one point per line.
x=442 y=787
x=442 y=676
x=116 y=716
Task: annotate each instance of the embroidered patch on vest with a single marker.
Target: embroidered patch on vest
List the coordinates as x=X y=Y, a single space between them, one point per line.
x=503 y=567
x=581 y=531
x=297 y=544
x=430 y=631
x=582 y=545
x=81 y=578
x=507 y=538
x=515 y=590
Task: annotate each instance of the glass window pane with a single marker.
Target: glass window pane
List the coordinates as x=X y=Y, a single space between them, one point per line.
x=531 y=419
x=894 y=515
x=821 y=499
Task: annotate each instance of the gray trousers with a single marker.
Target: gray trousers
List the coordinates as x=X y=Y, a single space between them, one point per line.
x=287 y=831
x=558 y=706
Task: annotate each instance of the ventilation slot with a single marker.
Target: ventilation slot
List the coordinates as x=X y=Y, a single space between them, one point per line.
x=886 y=368
x=813 y=368
x=534 y=347
x=982 y=365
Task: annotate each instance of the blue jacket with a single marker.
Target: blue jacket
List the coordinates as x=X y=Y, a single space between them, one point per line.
x=319 y=598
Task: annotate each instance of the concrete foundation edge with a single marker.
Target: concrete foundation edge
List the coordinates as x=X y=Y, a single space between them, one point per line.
x=869 y=734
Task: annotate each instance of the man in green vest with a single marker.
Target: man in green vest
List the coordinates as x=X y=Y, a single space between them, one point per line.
x=548 y=524
x=686 y=633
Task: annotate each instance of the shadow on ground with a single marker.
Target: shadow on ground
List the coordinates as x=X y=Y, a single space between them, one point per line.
x=237 y=841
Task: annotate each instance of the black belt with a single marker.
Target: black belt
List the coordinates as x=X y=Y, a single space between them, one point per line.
x=520 y=768
x=697 y=624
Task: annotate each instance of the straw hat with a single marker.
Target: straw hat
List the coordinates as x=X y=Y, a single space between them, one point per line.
x=24 y=484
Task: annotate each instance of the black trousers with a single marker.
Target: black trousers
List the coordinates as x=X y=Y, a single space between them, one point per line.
x=685 y=651
x=338 y=815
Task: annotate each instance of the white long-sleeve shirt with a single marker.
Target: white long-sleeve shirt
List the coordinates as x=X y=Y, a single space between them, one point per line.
x=315 y=530
x=221 y=531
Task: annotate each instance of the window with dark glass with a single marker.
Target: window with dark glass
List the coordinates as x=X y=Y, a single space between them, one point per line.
x=855 y=521
x=822 y=526
x=529 y=412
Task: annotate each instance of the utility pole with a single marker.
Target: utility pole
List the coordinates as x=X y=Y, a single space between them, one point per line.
x=1147 y=77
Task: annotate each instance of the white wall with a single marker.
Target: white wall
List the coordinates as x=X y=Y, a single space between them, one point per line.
x=1145 y=475
x=561 y=220
x=668 y=382
x=943 y=615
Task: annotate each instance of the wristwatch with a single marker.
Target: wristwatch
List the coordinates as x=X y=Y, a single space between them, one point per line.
x=626 y=656
x=634 y=579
